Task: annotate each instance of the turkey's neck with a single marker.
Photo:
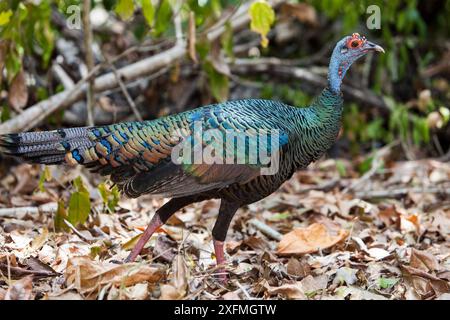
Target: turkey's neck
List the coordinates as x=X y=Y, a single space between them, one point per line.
x=336 y=72
x=317 y=127
x=327 y=107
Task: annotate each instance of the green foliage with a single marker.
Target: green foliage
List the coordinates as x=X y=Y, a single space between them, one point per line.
x=226 y=40
x=25 y=27
x=5 y=114
x=110 y=196
x=125 y=9
x=408 y=126
x=286 y=94
x=5 y=16
x=218 y=82
x=262 y=18
x=149 y=11
x=279 y=216
x=60 y=216
x=79 y=203
x=340 y=166
x=366 y=165
x=45 y=176
x=163 y=15
x=386 y=283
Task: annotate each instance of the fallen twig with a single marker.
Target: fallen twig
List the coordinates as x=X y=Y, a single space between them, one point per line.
x=124 y=91
x=78 y=233
x=89 y=57
x=21 y=211
x=264 y=228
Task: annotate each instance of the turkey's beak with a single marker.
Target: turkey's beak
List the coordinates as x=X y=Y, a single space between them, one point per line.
x=374 y=47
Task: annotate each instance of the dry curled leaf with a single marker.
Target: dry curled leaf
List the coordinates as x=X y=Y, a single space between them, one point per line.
x=301 y=11
x=180 y=275
x=192 y=37
x=169 y=292
x=307 y=240
x=298 y=268
x=21 y=289
x=18 y=92
x=288 y=290
x=88 y=275
x=423 y=260
x=425 y=284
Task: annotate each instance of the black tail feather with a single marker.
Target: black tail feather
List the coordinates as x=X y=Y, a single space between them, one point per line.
x=47 y=147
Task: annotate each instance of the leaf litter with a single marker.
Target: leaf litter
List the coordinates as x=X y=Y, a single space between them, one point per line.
x=310 y=240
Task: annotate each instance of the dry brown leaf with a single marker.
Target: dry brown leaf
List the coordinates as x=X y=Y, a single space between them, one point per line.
x=232 y=295
x=169 y=292
x=423 y=260
x=302 y=11
x=2 y=294
x=409 y=223
x=20 y=289
x=88 y=275
x=288 y=290
x=308 y=240
x=256 y=243
x=425 y=284
x=192 y=37
x=138 y=292
x=218 y=60
x=18 y=92
x=180 y=275
x=312 y=284
x=298 y=268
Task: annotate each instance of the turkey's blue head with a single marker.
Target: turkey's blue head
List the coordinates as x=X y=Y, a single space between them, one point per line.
x=347 y=51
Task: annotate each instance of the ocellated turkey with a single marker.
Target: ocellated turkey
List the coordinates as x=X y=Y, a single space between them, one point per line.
x=137 y=155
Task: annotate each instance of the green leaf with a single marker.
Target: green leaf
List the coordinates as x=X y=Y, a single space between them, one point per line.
x=79 y=203
x=5 y=16
x=109 y=196
x=79 y=185
x=445 y=112
x=340 y=167
x=45 y=176
x=149 y=11
x=365 y=166
x=218 y=82
x=262 y=17
x=386 y=283
x=5 y=114
x=227 y=40
x=95 y=251
x=125 y=9
x=163 y=16
x=79 y=208
x=279 y=216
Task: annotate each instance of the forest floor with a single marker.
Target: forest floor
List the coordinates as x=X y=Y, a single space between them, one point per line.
x=328 y=233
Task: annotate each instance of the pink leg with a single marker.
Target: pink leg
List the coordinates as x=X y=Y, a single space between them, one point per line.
x=220 y=260
x=154 y=224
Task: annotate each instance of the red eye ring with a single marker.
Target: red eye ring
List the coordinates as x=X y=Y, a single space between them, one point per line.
x=355 y=43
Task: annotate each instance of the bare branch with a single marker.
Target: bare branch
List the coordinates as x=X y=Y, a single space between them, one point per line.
x=89 y=60
x=264 y=228
x=124 y=90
